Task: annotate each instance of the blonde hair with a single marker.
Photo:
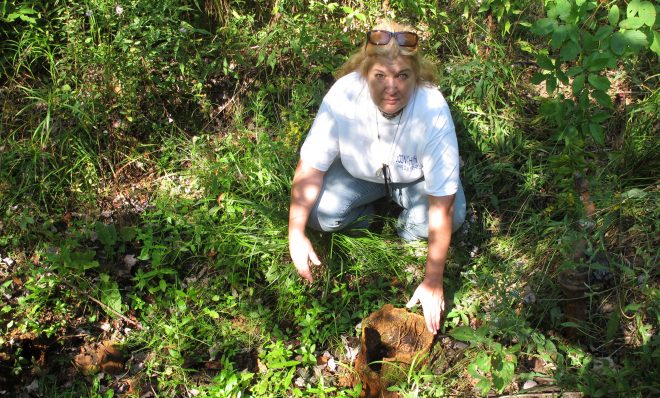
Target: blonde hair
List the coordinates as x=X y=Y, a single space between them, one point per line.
x=362 y=60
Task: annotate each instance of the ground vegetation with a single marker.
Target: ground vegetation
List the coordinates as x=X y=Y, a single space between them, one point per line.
x=146 y=155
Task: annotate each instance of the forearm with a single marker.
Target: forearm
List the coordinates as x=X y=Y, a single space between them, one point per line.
x=440 y=228
x=305 y=190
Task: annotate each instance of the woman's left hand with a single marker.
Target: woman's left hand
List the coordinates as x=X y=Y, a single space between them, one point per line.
x=432 y=297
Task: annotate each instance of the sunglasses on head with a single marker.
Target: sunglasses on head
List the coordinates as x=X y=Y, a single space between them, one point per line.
x=382 y=37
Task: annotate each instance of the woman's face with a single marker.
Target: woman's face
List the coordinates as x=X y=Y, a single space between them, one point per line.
x=391 y=83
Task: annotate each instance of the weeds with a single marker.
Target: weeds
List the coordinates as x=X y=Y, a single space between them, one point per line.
x=145 y=164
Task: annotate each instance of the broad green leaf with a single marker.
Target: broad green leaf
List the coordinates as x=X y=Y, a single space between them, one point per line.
x=474 y=371
x=633 y=8
x=600 y=117
x=508 y=370
x=569 y=51
x=599 y=61
x=655 y=46
x=82 y=260
x=484 y=386
x=284 y=364
x=551 y=84
x=463 y=333
x=561 y=76
x=618 y=44
x=261 y=57
x=559 y=36
x=599 y=82
x=479 y=88
x=574 y=70
x=603 y=32
x=584 y=128
x=647 y=13
x=483 y=361
x=544 y=62
x=578 y=84
x=110 y=295
x=127 y=234
x=537 y=78
x=562 y=10
x=573 y=33
x=602 y=98
x=548 y=108
x=589 y=43
x=513 y=349
x=630 y=194
x=614 y=15
x=503 y=375
x=597 y=133
x=643 y=10
x=631 y=23
x=635 y=39
x=544 y=26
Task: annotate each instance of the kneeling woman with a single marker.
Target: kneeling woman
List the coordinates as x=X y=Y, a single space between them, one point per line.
x=383 y=130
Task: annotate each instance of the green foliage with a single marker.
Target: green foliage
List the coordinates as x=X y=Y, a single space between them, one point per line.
x=506 y=12
x=146 y=154
x=494 y=365
x=229 y=382
x=588 y=42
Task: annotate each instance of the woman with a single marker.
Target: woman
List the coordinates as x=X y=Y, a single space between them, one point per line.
x=383 y=129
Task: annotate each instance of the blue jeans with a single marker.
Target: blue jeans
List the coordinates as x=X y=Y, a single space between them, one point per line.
x=347 y=202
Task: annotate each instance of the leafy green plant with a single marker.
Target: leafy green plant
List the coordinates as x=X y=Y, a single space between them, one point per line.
x=229 y=382
x=506 y=12
x=494 y=366
x=585 y=42
x=146 y=152
x=280 y=372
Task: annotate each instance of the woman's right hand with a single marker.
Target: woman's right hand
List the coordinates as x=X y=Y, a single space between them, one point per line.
x=302 y=253
x=305 y=190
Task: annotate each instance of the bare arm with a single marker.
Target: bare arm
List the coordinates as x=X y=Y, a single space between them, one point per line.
x=430 y=293
x=305 y=189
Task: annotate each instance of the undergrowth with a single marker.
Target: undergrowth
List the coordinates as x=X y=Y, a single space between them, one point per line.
x=146 y=155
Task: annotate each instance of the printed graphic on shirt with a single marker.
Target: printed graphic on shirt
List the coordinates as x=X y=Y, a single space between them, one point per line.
x=407 y=162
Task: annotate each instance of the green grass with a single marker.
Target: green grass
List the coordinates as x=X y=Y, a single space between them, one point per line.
x=145 y=165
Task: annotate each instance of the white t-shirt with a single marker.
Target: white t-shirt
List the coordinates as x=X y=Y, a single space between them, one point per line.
x=420 y=142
